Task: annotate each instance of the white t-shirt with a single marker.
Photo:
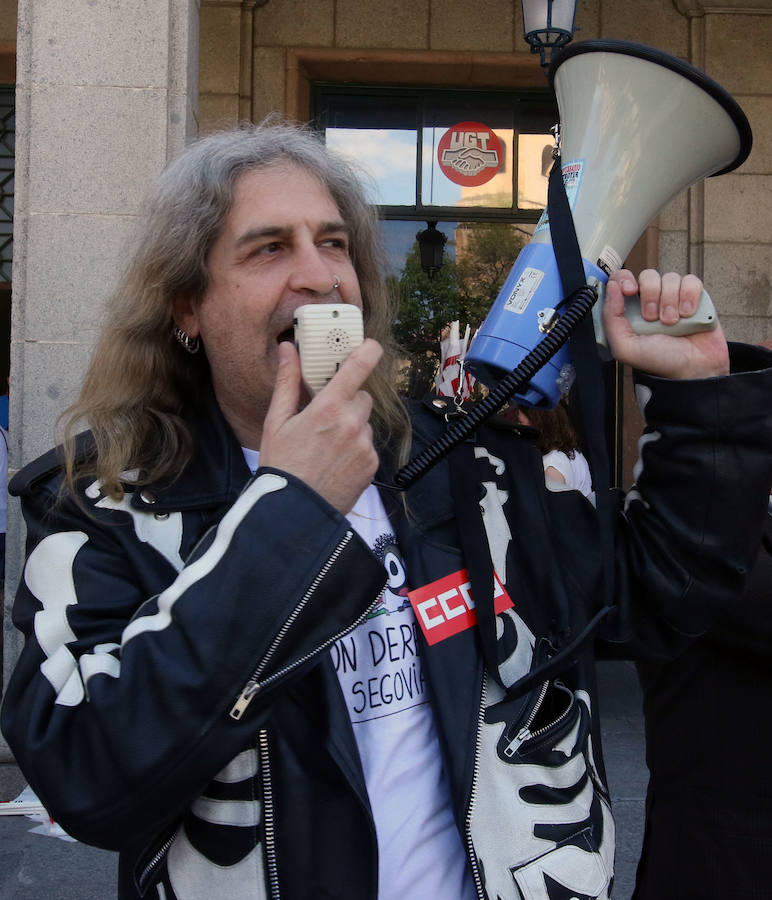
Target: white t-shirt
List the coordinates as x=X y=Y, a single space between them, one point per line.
x=420 y=852
x=576 y=471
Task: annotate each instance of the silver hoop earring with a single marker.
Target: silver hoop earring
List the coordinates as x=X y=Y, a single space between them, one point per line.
x=191 y=344
x=336 y=283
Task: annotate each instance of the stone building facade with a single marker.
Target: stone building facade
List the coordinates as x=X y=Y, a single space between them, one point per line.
x=109 y=91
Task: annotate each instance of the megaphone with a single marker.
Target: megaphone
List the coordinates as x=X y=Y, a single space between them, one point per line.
x=637 y=126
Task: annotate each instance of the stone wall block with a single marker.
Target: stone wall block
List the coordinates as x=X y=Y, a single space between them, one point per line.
x=297 y=22
x=184 y=50
x=391 y=24
x=746 y=329
x=217 y=111
x=739 y=278
x=269 y=80
x=675 y=215
x=738 y=208
x=738 y=50
x=182 y=122
x=84 y=42
x=759 y=113
x=99 y=148
x=485 y=26
x=656 y=23
x=183 y=75
x=220 y=42
x=53 y=373
x=673 y=251
x=66 y=301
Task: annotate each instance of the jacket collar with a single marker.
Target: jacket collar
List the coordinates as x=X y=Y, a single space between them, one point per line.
x=214 y=475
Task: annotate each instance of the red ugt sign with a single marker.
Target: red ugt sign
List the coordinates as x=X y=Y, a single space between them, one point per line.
x=469 y=154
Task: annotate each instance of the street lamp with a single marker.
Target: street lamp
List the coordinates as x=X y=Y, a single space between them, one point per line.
x=431 y=244
x=548 y=24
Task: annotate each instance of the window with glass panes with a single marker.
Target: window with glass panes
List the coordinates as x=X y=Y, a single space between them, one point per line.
x=472 y=163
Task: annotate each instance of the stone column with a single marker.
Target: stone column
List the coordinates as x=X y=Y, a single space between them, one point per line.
x=729 y=218
x=106 y=93
x=227 y=60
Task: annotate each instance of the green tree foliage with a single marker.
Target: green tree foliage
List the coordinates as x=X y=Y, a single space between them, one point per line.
x=463 y=289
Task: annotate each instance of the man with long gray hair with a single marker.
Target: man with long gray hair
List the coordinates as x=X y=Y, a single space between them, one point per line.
x=257 y=672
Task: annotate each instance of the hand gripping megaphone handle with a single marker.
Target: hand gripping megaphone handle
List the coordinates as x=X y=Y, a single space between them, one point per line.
x=704 y=319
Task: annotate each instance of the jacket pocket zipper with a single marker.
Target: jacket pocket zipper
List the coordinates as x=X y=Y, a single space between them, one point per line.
x=525 y=733
x=254 y=685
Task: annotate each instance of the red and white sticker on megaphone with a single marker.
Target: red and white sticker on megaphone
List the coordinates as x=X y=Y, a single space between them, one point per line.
x=470 y=154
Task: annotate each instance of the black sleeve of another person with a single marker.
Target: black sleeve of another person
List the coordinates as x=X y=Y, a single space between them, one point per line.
x=708 y=719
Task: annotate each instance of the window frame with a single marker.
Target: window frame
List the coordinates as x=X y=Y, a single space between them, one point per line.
x=531 y=99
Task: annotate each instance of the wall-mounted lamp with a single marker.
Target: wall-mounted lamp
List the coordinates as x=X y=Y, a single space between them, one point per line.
x=431 y=244
x=548 y=25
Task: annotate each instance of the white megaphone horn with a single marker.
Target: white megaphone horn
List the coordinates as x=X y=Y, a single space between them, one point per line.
x=638 y=126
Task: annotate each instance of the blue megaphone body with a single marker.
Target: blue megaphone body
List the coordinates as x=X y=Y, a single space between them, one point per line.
x=629 y=119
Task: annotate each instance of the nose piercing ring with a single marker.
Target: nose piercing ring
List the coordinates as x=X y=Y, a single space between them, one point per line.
x=336 y=283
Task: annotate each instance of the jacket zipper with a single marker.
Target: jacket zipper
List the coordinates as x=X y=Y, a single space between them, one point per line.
x=268 y=823
x=154 y=862
x=254 y=684
x=478 y=883
x=525 y=733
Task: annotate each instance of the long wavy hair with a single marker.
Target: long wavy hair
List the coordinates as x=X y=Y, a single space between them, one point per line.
x=139 y=378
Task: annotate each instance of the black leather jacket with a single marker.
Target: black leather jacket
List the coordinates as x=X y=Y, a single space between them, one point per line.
x=175 y=699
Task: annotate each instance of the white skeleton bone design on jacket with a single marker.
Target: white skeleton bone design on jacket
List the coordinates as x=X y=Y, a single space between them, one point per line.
x=49 y=575
x=559 y=832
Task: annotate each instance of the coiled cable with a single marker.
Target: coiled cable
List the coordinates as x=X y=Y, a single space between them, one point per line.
x=577 y=305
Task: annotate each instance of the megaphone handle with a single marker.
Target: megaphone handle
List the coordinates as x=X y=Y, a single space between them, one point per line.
x=704 y=319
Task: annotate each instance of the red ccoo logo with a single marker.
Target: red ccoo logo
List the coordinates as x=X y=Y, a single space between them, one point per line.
x=445 y=607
